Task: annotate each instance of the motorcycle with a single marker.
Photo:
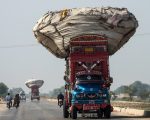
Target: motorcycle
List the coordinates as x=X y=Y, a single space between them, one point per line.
x=60 y=103
x=16 y=101
x=9 y=104
x=16 y=104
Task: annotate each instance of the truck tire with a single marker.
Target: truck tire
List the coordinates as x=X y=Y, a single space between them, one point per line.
x=65 y=110
x=100 y=113
x=38 y=98
x=74 y=113
x=107 y=112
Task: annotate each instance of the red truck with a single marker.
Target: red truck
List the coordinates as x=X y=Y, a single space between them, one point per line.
x=35 y=93
x=34 y=85
x=87 y=77
x=86 y=37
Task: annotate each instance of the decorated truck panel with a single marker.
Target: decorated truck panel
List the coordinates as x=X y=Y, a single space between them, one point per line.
x=87 y=77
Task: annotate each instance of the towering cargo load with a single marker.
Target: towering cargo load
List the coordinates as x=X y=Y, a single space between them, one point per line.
x=86 y=37
x=55 y=29
x=34 y=84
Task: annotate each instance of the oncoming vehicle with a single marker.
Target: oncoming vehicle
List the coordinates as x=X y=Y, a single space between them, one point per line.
x=8 y=99
x=86 y=38
x=16 y=101
x=60 y=99
x=34 y=85
x=60 y=103
x=9 y=104
x=22 y=95
x=87 y=78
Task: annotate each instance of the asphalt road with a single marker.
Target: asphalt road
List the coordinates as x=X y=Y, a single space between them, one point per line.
x=45 y=110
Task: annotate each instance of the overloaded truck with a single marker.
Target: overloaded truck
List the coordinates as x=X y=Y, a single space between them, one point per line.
x=34 y=85
x=87 y=77
x=85 y=38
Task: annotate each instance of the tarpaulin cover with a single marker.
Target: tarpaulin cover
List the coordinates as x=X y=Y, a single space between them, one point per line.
x=55 y=29
x=34 y=82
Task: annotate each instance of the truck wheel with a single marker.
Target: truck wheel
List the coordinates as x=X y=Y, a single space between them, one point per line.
x=100 y=113
x=107 y=112
x=65 y=110
x=74 y=113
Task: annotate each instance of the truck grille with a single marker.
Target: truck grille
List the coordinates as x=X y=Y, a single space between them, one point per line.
x=91 y=95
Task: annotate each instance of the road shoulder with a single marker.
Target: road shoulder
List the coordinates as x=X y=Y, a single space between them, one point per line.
x=2 y=106
x=137 y=112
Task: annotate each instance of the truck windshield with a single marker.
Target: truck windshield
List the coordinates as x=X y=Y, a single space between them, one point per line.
x=88 y=77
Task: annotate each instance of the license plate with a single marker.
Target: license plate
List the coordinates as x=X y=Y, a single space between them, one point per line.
x=91 y=101
x=91 y=107
x=88 y=49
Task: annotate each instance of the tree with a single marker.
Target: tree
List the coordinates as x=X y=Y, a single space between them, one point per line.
x=56 y=91
x=122 y=89
x=130 y=92
x=16 y=91
x=144 y=94
x=140 y=89
x=3 y=89
x=137 y=88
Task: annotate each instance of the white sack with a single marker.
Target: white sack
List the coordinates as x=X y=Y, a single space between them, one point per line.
x=55 y=29
x=34 y=82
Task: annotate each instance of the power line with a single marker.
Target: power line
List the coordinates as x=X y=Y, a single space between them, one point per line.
x=32 y=45
x=16 y=46
x=142 y=34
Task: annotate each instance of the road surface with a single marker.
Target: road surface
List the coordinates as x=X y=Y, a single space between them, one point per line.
x=45 y=110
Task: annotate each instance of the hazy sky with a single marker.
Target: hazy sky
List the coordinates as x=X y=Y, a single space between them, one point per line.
x=22 y=58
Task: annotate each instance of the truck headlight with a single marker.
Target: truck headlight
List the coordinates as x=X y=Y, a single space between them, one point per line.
x=104 y=95
x=80 y=95
x=100 y=94
x=105 y=101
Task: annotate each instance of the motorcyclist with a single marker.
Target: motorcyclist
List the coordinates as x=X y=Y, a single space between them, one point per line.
x=16 y=101
x=8 y=99
x=60 y=97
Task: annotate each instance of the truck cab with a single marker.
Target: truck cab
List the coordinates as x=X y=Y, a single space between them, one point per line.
x=35 y=93
x=90 y=95
x=87 y=77
x=89 y=90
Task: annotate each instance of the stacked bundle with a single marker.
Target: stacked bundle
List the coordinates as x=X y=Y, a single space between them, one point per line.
x=34 y=82
x=55 y=29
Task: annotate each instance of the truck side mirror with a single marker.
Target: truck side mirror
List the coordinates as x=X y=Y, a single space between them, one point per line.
x=66 y=86
x=111 y=79
x=66 y=78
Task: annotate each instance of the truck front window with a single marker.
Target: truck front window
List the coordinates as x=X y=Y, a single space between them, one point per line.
x=88 y=77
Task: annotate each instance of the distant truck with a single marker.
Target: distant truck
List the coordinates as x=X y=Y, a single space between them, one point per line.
x=35 y=93
x=34 y=84
x=22 y=95
x=87 y=77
